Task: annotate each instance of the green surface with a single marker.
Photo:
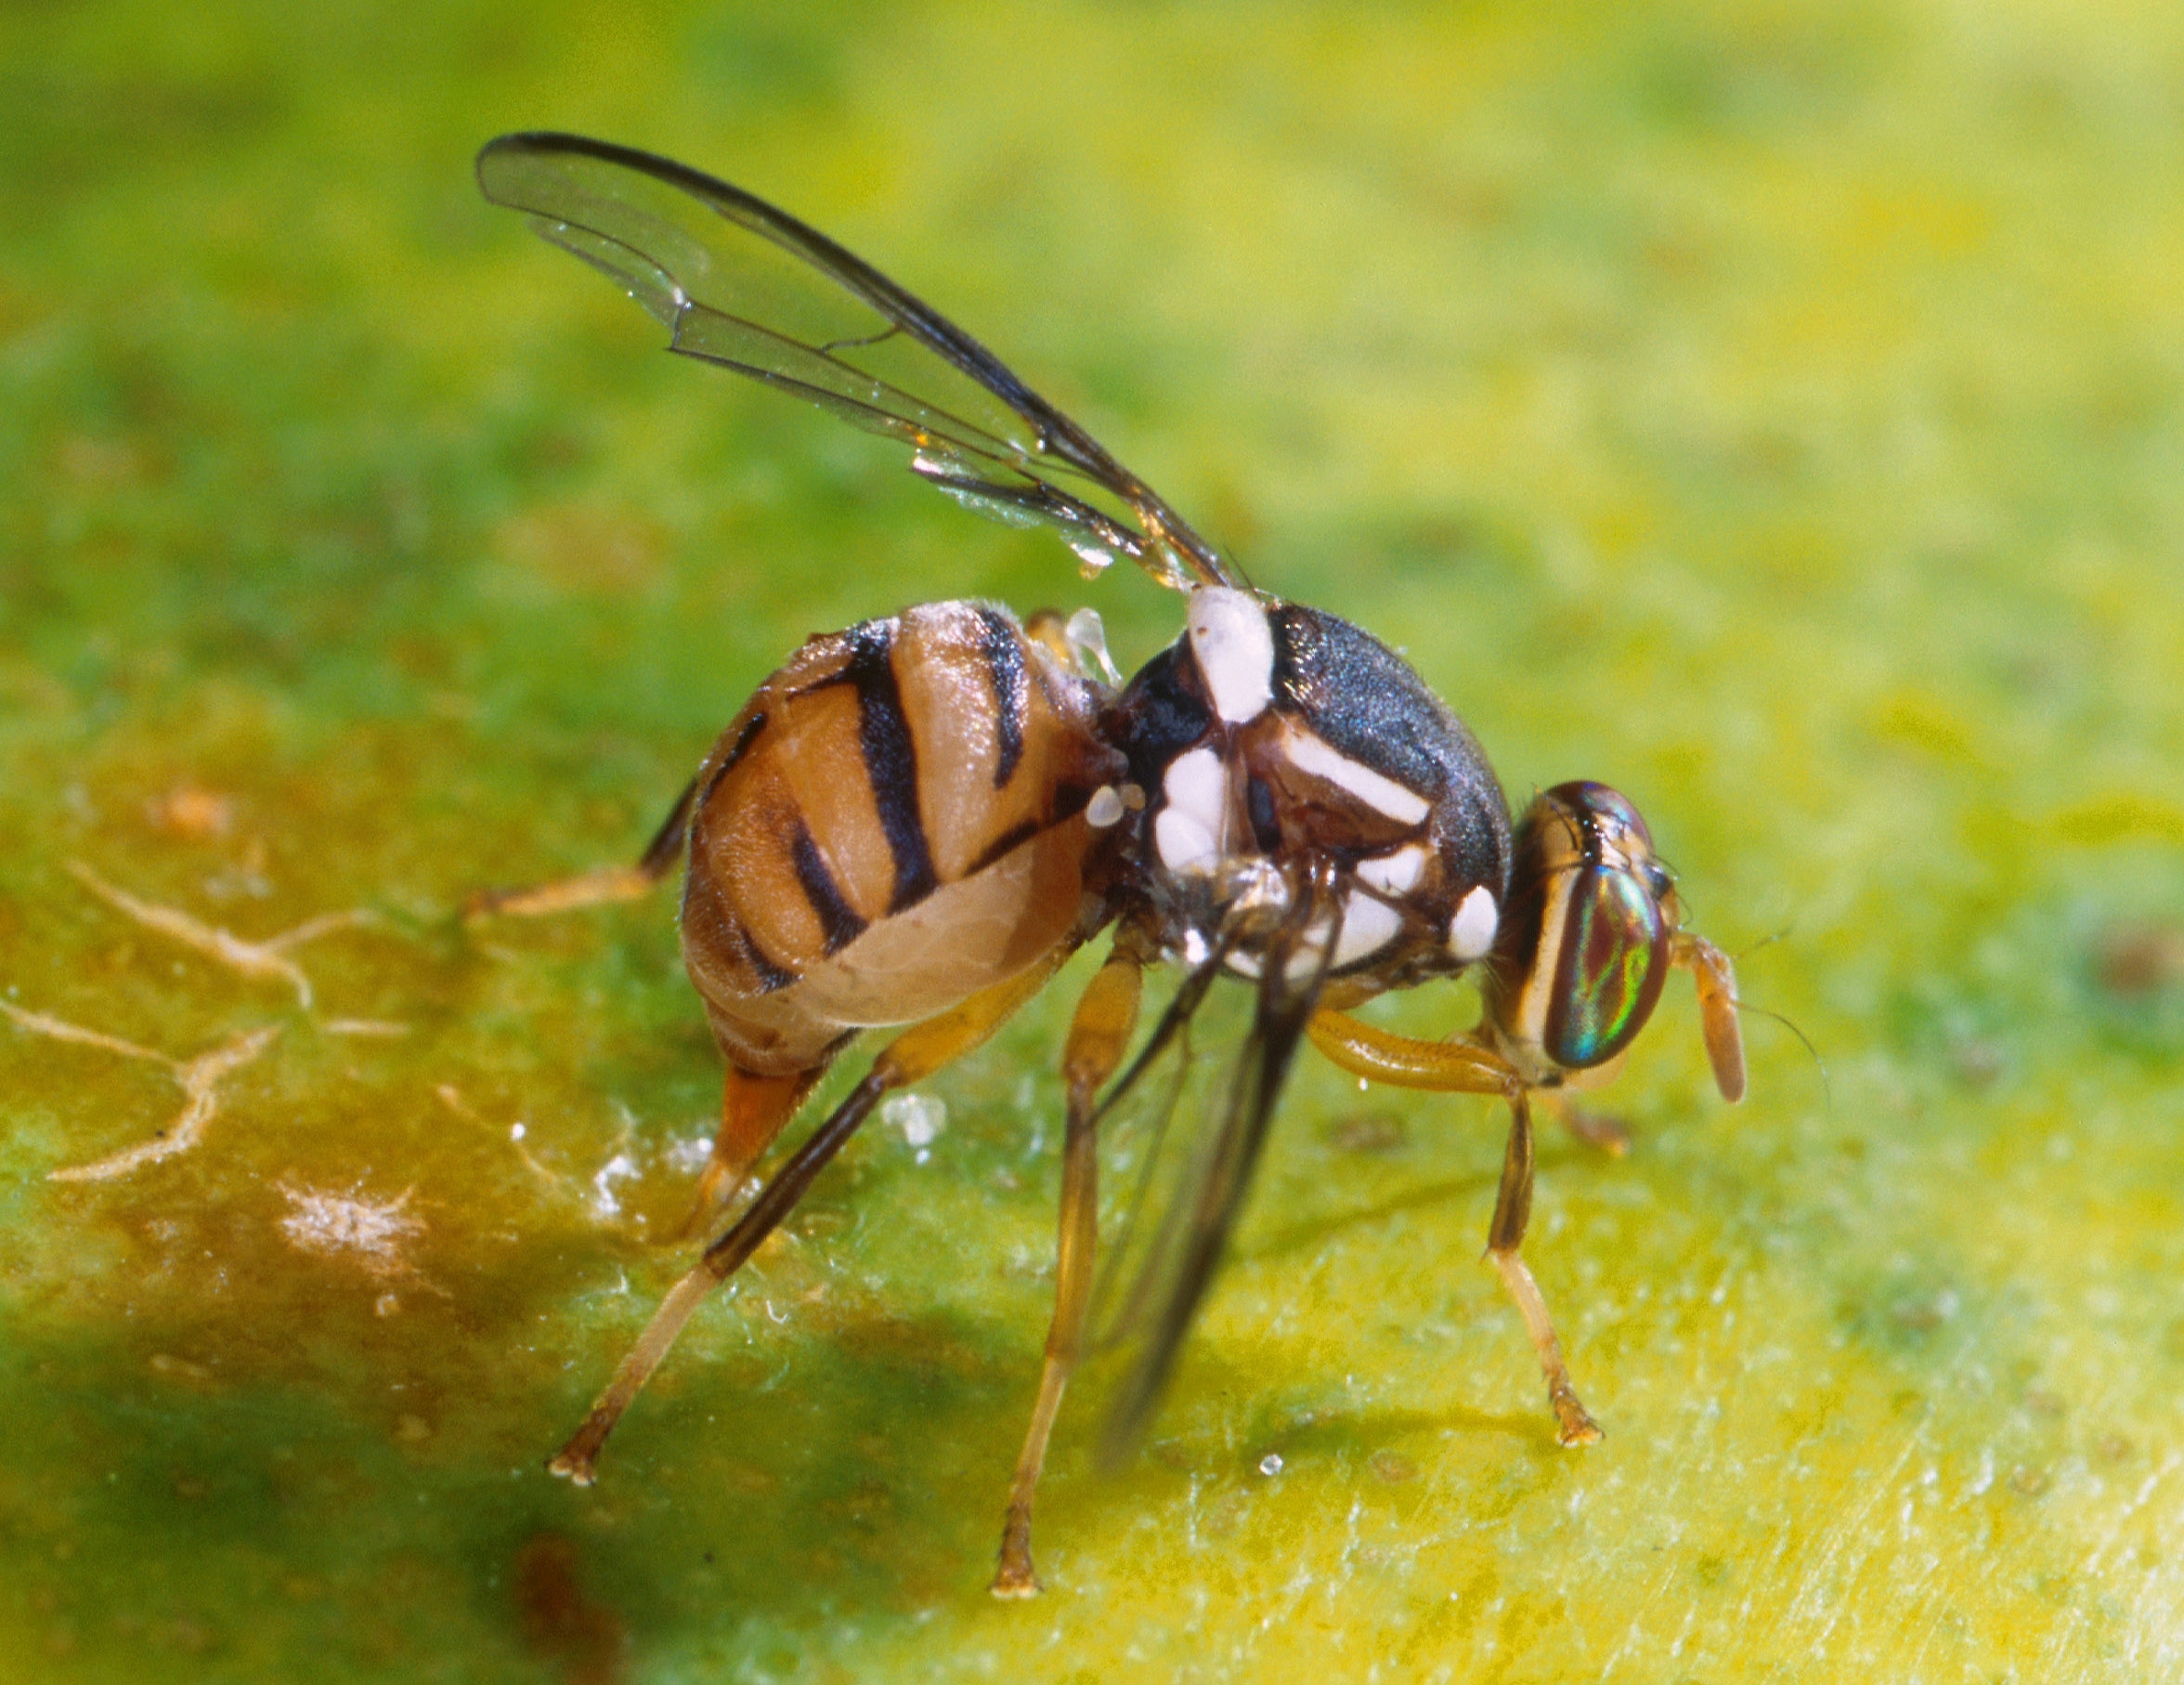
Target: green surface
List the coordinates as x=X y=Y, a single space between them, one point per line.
x=1776 y=411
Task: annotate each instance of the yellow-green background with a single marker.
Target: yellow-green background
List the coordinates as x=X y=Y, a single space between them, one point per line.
x=1775 y=409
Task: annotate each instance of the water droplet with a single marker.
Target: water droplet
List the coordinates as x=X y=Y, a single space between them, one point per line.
x=1088 y=635
x=919 y=1116
x=1092 y=559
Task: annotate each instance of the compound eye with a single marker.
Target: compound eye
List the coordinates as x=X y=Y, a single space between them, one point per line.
x=1606 y=811
x=1608 y=975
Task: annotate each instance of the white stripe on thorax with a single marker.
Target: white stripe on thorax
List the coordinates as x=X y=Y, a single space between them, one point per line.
x=1314 y=755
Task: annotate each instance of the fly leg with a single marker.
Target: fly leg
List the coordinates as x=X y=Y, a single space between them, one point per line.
x=1600 y=1129
x=1099 y=1033
x=595 y=888
x=753 y=1109
x=910 y=1057
x=1513 y=1209
x=1460 y=1067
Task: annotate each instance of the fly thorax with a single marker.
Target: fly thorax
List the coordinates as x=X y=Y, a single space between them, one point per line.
x=1281 y=747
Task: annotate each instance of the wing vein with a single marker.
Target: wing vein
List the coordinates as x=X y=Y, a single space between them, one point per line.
x=703 y=257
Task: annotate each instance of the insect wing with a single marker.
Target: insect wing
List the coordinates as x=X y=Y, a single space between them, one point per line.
x=1163 y=1267
x=1169 y=1078
x=742 y=284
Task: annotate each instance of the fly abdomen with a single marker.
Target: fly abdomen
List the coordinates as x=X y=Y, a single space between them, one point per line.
x=935 y=760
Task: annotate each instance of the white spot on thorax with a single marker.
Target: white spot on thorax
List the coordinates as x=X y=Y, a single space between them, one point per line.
x=1313 y=755
x=1234 y=647
x=1395 y=874
x=1368 y=927
x=1471 y=932
x=1191 y=829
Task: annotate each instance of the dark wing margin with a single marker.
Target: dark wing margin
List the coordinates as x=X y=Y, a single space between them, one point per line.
x=1168 y=1281
x=742 y=284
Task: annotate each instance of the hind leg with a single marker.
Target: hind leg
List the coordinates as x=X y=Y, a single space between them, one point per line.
x=910 y=1057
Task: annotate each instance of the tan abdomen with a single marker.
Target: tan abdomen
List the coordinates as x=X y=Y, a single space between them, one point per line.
x=893 y=822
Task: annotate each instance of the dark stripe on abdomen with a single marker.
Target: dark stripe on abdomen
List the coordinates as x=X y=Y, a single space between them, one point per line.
x=1001 y=646
x=1011 y=840
x=736 y=751
x=891 y=761
x=771 y=977
x=839 y=922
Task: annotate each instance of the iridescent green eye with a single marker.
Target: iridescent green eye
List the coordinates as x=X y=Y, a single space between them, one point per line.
x=1602 y=812
x=1609 y=972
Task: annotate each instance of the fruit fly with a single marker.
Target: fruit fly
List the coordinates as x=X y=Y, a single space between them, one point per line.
x=915 y=822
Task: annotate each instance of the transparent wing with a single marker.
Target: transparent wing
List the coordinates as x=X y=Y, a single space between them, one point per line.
x=1173 y=1075
x=741 y=284
x=1163 y=1265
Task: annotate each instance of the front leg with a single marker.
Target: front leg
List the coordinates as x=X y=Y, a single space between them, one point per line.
x=1461 y=1068
x=1512 y=1211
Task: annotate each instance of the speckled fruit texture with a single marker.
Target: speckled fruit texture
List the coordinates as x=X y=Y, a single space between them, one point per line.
x=1775 y=411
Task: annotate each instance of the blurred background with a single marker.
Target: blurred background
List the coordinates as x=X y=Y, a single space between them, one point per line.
x=1775 y=411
